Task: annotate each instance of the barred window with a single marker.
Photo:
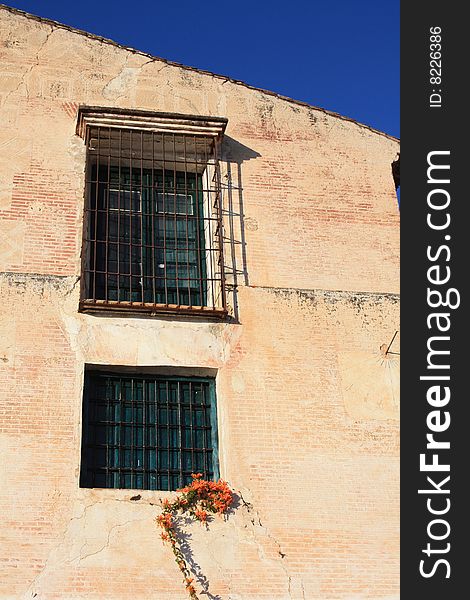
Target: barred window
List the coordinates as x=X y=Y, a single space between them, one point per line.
x=147 y=432
x=153 y=223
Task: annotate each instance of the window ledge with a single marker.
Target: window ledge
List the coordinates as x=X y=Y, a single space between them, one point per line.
x=151 y=309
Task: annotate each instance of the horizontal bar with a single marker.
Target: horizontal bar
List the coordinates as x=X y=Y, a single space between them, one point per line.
x=146 y=307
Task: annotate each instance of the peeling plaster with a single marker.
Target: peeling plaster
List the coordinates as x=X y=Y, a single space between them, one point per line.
x=122 y=84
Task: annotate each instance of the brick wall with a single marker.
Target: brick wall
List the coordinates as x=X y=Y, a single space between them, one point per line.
x=307 y=404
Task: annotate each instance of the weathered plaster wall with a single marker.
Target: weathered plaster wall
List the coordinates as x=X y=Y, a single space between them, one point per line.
x=307 y=403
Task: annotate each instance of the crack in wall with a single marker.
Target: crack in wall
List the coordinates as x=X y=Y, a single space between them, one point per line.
x=106 y=545
x=190 y=103
x=61 y=539
x=58 y=555
x=223 y=573
x=28 y=72
x=64 y=542
x=125 y=81
x=71 y=290
x=256 y=522
x=120 y=82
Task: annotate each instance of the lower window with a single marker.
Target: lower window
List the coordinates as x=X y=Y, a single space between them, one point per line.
x=147 y=432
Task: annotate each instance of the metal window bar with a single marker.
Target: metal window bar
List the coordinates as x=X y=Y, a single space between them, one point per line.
x=153 y=222
x=147 y=432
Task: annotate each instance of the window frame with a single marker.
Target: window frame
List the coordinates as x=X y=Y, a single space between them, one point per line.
x=88 y=472
x=209 y=267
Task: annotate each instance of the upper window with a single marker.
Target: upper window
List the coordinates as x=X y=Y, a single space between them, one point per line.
x=147 y=432
x=153 y=223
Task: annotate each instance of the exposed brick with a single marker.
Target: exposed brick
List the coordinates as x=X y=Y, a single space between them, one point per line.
x=307 y=405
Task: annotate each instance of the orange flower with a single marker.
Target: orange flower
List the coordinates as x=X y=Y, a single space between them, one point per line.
x=200 y=498
x=165 y=521
x=201 y=515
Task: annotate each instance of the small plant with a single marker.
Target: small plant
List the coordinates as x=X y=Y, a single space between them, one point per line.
x=198 y=499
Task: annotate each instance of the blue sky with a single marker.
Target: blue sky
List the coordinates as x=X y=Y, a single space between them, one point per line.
x=342 y=55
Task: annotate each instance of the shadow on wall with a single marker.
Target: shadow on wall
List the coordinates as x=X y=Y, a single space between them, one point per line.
x=233 y=155
x=185 y=539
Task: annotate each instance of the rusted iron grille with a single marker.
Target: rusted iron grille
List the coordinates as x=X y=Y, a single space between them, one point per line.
x=153 y=238
x=147 y=432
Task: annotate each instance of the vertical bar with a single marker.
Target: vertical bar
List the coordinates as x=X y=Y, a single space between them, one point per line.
x=186 y=219
x=120 y=441
x=95 y=442
x=205 y=431
x=157 y=436
x=98 y=164
x=168 y=432
x=165 y=281
x=106 y=200
x=153 y=215
x=214 y=438
x=191 y=417
x=133 y=434
x=117 y=433
x=145 y=476
x=108 y=424
x=118 y=233
x=200 y=219
x=211 y=239
x=221 y=224
x=142 y=281
x=175 y=223
x=180 y=428
x=92 y=441
x=211 y=203
x=110 y=427
x=130 y=215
